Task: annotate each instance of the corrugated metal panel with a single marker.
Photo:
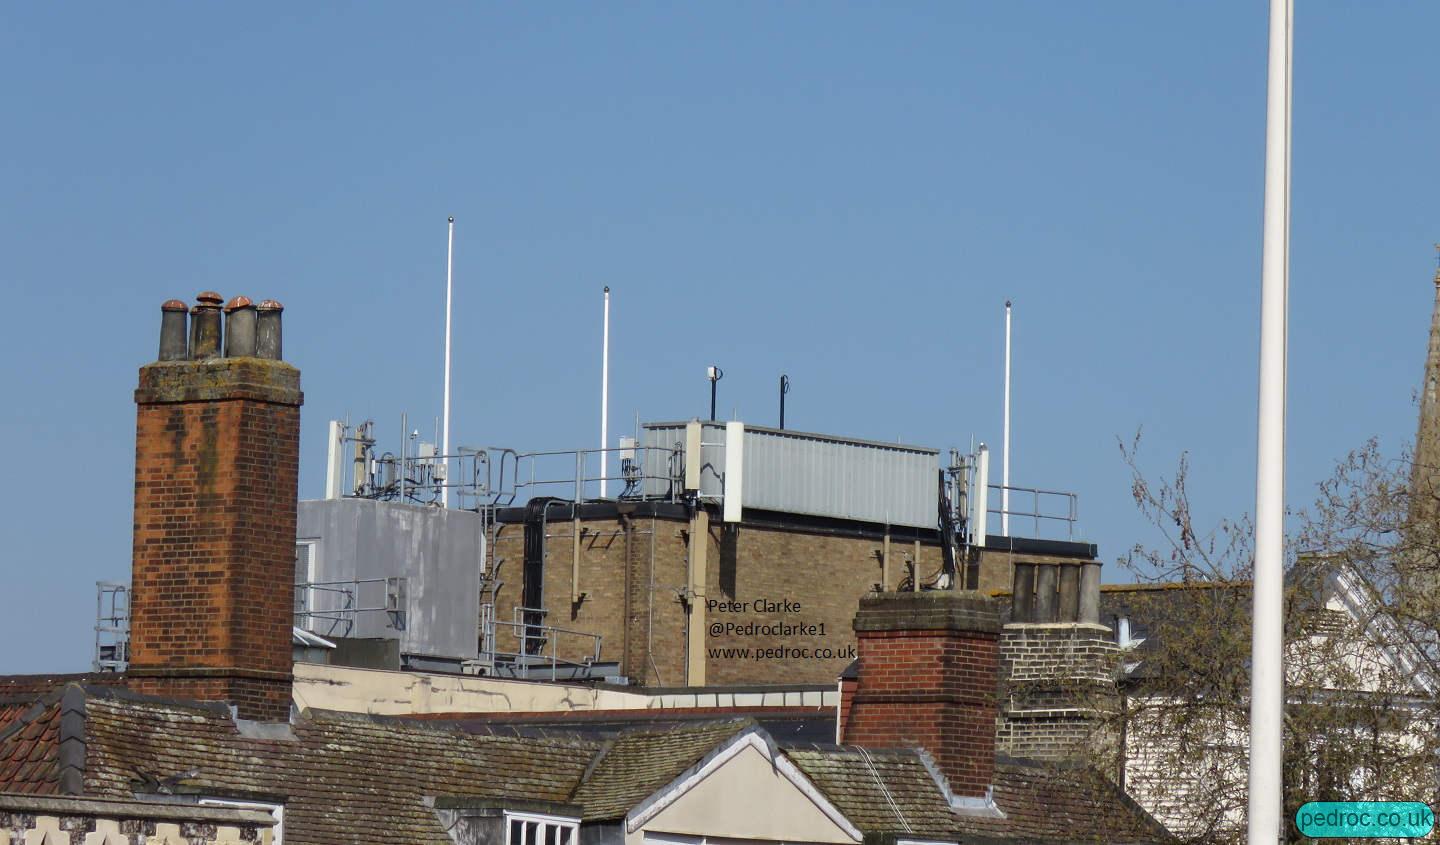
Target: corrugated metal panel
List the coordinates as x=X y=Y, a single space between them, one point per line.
x=436 y=550
x=814 y=474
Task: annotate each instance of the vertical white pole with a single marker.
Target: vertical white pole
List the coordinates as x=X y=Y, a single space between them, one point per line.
x=445 y=437
x=1267 y=681
x=1005 y=456
x=982 y=497
x=605 y=396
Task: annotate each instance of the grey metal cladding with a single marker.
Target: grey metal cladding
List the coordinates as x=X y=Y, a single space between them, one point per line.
x=813 y=474
x=437 y=550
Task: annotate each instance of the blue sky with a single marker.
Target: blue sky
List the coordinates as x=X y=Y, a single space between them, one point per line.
x=846 y=193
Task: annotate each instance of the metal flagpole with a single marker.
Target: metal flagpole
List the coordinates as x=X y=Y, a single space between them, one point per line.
x=1267 y=681
x=445 y=436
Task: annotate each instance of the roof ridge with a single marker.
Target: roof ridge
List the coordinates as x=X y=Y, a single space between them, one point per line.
x=71 y=753
x=434 y=726
x=120 y=693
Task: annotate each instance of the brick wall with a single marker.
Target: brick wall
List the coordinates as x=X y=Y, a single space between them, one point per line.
x=928 y=669
x=1059 y=690
x=635 y=601
x=216 y=463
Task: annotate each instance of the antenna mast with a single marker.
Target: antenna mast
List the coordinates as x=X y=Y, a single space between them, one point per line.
x=1005 y=456
x=449 y=277
x=605 y=394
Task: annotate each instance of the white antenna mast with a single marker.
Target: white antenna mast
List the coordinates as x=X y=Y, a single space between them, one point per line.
x=449 y=278
x=1005 y=456
x=1267 y=632
x=605 y=395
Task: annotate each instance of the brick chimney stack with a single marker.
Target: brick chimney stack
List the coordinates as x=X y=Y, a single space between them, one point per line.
x=1058 y=663
x=928 y=665
x=216 y=466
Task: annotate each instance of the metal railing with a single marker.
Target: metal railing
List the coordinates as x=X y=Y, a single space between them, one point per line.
x=523 y=475
x=1041 y=514
x=333 y=608
x=112 y=626
x=538 y=644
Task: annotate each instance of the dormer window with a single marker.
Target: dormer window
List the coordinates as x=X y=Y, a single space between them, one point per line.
x=540 y=829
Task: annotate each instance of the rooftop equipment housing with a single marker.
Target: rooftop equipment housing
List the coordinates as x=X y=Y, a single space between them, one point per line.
x=392 y=571
x=812 y=474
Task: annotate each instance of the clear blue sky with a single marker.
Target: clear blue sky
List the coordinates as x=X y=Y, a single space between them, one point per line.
x=846 y=193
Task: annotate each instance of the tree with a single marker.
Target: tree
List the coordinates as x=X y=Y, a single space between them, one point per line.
x=1361 y=612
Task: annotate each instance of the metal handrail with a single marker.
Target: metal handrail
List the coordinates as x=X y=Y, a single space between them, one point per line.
x=577 y=481
x=1070 y=517
x=537 y=632
x=396 y=603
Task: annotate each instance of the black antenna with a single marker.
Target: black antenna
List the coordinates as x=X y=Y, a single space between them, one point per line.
x=784 y=389
x=713 y=373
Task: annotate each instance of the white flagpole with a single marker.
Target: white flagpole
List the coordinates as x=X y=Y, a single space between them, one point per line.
x=1267 y=681
x=1005 y=456
x=605 y=395
x=445 y=436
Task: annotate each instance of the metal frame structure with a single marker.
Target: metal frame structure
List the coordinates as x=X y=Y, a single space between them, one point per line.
x=341 y=620
x=112 y=626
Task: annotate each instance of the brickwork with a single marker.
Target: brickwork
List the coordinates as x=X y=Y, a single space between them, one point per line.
x=632 y=577
x=1059 y=689
x=927 y=678
x=633 y=594
x=216 y=465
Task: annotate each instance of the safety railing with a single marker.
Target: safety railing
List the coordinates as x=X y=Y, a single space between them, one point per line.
x=573 y=473
x=1049 y=510
x=538 y=646
x=334 y=608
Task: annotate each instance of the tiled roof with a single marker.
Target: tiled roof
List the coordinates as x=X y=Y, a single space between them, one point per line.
x=343 y=778
x=909 y=803
x=29 y=749
x=637 y=763
x=354 y=778
x=1040 y=803
x=1058 y=803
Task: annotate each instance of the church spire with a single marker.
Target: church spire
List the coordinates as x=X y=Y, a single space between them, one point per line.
x=1425 y=476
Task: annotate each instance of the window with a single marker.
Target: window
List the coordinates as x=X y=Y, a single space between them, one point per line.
x=276 y=810
x=536 y=829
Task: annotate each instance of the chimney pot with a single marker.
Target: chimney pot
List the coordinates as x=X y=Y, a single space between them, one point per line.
x=174 y=345
x=240 y=320
x=205 y=326
x=267 y=330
